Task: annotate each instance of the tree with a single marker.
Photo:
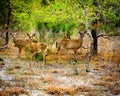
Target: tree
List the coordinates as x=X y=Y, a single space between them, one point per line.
x=108 y=16
x=5 y=16
x=100 y=16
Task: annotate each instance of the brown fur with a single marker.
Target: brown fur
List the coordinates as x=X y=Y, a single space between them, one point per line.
x=70 y=44
x=19 y=43
x=37 y=47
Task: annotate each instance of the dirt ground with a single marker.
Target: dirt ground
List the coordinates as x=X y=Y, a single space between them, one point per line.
x=18 y=78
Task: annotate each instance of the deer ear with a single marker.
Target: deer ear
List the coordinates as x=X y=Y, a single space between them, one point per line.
x=28 y=34
x=80 y=32
x=16 y=33
x=33 y=34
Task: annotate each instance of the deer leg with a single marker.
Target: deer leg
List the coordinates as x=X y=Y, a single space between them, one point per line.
x=44 y=59
x=34 y=58
x=56 y=57
x=19 y=53
x=75 y=53
x=57 y=54
x=75 y=63
x=31 y=59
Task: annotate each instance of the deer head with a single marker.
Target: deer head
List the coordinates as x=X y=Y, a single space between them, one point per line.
x=31 y=36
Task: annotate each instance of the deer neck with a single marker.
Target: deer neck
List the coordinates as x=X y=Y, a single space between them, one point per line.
x=80 y=39
x=14 y=39
x=31 y=43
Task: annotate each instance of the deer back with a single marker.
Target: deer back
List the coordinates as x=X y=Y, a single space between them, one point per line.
x=71 y=43
x=19 y=42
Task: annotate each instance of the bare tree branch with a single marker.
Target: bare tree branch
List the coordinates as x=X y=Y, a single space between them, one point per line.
x=5 y=46
x=102 y=35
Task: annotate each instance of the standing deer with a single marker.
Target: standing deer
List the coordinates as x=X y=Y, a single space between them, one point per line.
x=70 y=44
x=19 y=43
x=37 y=47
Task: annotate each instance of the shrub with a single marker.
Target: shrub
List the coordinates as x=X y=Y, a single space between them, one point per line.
x=38 y=57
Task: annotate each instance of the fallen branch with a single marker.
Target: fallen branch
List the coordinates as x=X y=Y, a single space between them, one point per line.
x=102 y=35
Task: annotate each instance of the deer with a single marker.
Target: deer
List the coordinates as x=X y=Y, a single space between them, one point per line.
x=37 y=47
x=19 y=43
x=70 y=44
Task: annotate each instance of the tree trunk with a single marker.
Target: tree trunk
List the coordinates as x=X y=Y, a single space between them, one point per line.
x=88 y=58
x=95 y=41
x=68 y=34
x=8 y=21
x=40 y=35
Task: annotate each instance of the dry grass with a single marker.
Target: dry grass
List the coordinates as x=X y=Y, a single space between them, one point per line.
x=110 y=78
x=84 y=88
x=48 y=79
x=59 y=91
x=11 y=50
x=103 y=83
x=71 y=90
x=54 y=70
x=33 y=84
x=28 y=72
x=30 y=82
x=118 y=69
x=3 y=83
x=110 y=83
x=1 y=63
x=15 y=67
x=107 y=55
x=92 y=93
x=20 y=78
x=13 y=91
x=12 y=71
x=115 y=88
x=39 y=78
x=116 y=91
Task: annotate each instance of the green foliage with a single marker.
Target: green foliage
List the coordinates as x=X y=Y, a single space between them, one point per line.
x=1 y=59
x=67 y=26
x=63 y=15
x=56 y=28
x=39 y=25
x=4 y=12
x=23 y=13
x=38 y=57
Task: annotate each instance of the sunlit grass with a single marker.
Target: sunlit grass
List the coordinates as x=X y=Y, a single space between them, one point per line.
x=13 y=91
x=58 y=90
x=48 y=79
x=71 y=90
x=3 y=83
x=28 y=72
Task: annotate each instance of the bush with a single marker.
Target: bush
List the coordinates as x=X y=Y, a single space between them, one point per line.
x=38 y=57
x=1 y=59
